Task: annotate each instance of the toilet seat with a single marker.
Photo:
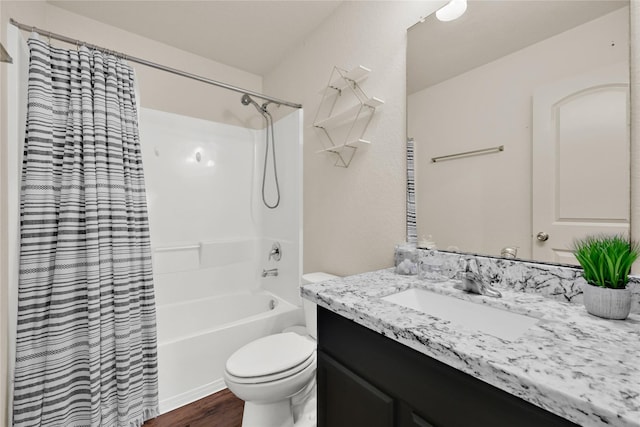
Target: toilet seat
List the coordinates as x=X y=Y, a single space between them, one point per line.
x=270 y=358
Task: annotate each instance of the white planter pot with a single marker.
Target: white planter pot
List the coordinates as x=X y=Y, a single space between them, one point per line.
x=607 y=303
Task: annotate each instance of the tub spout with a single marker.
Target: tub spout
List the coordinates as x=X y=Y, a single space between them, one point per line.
x=270 y=272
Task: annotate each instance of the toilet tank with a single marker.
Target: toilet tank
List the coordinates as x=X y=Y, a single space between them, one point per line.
x=310 y=307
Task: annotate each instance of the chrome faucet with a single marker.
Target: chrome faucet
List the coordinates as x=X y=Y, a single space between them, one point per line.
x=472 y=281
x=276 y=252
x=270 y=272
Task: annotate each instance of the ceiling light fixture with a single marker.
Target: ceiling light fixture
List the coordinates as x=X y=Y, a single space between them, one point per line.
x=452 y=10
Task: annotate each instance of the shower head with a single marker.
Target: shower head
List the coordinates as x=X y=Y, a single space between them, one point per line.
x=246 y=100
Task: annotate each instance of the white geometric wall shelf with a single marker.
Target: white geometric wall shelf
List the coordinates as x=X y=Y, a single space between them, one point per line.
x=344 y=114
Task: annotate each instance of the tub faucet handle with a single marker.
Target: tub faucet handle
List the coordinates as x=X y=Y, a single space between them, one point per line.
x=276 y=252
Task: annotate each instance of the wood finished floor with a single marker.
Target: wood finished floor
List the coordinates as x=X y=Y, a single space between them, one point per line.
x=221 y=409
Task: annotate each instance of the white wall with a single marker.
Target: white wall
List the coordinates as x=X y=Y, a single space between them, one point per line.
x=353 y=217
x=481 y=204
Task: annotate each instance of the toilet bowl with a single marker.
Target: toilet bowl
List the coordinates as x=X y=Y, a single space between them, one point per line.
x=268 y=372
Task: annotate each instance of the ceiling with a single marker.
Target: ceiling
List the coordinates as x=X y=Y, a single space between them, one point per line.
x=250 y=35
x=438 y=51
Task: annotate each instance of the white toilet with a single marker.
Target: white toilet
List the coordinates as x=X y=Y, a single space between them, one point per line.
x=268 y=372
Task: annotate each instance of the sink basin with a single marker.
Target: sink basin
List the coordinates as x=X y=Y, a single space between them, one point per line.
x=472 y=316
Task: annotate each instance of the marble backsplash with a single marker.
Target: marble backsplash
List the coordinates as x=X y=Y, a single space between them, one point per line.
x=563 y=283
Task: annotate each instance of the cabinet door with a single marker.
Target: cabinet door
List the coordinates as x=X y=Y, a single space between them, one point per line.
x=347 y=400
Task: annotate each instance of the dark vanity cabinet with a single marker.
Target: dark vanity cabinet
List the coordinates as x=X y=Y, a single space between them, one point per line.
x=368 y=380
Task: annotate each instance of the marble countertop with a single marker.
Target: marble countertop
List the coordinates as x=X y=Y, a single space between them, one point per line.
x=578 y=366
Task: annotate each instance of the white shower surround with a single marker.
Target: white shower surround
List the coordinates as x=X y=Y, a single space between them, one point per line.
x=211 y=236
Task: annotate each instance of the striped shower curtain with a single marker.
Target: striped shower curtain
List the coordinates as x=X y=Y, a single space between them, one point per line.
x=86 y=336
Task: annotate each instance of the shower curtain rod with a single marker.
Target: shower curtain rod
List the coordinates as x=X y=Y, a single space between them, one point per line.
x=77 y=42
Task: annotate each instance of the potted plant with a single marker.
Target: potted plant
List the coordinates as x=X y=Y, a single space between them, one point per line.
x=606 y=261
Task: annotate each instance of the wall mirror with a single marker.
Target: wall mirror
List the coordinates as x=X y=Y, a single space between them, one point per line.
x=519 y=113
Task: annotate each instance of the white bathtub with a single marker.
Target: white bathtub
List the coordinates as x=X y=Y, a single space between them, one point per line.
x=195 y=338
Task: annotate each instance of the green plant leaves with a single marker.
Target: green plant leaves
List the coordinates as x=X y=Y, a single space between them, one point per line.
x=606 y=260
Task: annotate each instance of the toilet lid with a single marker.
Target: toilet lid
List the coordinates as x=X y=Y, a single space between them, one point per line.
x=309 y=363
x=269 y=355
